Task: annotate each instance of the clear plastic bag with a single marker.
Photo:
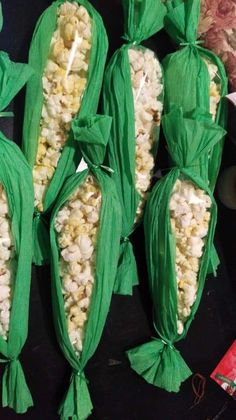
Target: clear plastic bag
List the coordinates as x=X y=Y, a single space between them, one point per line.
x=214 y=86
x=64 y=82
x=77 y=225
x=189 y=216
x=7 y=264
x=133 y=96
x=147 y=88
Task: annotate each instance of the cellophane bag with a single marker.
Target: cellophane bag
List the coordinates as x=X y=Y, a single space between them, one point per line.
x=68 y=53
x=16 y=214
x=217 y=29
x=194 y=76
x=133 y=96
x=85 y=238
x=179 y=224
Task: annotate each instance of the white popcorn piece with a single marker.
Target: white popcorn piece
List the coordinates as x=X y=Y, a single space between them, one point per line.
x=4 y=293
x=71 y=253
x=85 y=246
x=146 y=79
x=189 y=217
x=180 y=327
x=5 y=276
x=7 y=265
x=77 y=224
x=64 y=82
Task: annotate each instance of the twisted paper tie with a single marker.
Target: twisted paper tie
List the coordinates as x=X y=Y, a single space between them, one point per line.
x=191 y=43
x=106 y=168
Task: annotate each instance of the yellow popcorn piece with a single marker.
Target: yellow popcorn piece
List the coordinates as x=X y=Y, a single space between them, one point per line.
x=41 y=152
x=69 y=31
x=181 y=284
x=85 y=45
x=207 y=216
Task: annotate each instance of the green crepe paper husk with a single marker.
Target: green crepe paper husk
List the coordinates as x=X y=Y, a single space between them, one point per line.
x=186 y=75
x=71 y=155
x=158 y=361
x=92 y=135
x=13 y=77
x=142 y=20
x=187 y=81
x=16 y=178
x=159 y=364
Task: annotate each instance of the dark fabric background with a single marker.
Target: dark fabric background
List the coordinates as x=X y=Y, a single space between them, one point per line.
x=117 y=392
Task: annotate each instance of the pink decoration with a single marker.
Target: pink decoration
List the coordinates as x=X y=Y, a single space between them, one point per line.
x=217 y=27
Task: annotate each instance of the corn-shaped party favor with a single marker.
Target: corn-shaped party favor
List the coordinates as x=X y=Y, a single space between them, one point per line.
x=16 y=215
x=133 y=96
x=194 y=76
x=68 y=53
x=85 y=237
x=147 y=90
x=179 y=224
x=77 y=224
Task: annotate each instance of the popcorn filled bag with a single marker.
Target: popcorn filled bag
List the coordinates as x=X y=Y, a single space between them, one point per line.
x=85 y=237
x=133 y=95
x=180 y=221
x=194 y=76
x=16 y=213
x=68 y=54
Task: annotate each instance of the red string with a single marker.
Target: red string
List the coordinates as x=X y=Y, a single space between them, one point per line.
x=198 y=385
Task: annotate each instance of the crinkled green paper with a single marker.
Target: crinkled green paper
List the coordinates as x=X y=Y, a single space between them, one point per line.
x=158 y=361
x=142 y=20
x=13 y=77
x=186 y=75
x=70 y=156
x=92 y=135
x=16 y=178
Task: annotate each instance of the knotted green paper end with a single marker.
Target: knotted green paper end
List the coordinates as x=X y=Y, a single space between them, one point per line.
x=15 y=392
x=41 y=242
x=142 y=19
x=13 y=77
x=127 y=274
x=160 y=364
x=92 y=133
x=77 y=404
